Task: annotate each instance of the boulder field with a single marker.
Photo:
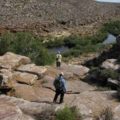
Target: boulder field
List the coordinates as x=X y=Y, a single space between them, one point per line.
x=31 y=90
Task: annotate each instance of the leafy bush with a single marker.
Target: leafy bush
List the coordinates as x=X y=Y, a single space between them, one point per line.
x=85 y=44
x=68 y=114
x=109 y=73
x=106 y=114
x=100 y=76
x=54 y=42
x=72 y=52
x=26 y=44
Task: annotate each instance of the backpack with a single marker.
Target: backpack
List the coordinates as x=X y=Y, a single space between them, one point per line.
x=58 y=83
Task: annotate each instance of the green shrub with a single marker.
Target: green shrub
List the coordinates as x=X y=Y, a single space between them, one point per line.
x=72 y=52
x=112 y=27
x=28 y=45
x=68 y=114
x=6 y=42
x=100 y=76
x=109 y=73
x=72 y=41
x=86 y=44
x=54 y=42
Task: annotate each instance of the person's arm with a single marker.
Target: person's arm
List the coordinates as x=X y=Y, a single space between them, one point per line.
x=64 y=85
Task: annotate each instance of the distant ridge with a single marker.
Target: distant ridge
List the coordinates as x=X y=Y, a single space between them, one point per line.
x=109 y=1
x=43 y=16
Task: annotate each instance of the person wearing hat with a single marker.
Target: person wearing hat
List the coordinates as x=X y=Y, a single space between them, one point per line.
x=58 y=59
x=60 y=88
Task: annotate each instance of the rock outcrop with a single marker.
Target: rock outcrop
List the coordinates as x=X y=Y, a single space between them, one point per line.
x=12 y=61
x=32 y=68
x=10 y=111
x=33 y=91
x=25 y=78
x=110 y=64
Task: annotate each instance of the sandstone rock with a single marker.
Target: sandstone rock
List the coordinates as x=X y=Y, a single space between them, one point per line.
x=113 y=83
x=30 y=108
x=77 y=70
x=47 y=81
x=110 y=64
x=11 y=60
x=26 y=78
x=68 y=75
x=9 y=111
x=84 y=110
x=32 y=68
x=25 y=91
x=117 y=112
x=7 y=77
x=91 y=103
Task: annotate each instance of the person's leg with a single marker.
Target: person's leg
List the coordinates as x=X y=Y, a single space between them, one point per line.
x=61 y=97
x=57 y=64
x=56 y=96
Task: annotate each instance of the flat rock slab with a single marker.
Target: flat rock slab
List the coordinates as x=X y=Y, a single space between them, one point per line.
x=26 y=78
x=77 y=70
x=26 y=92
x=96 y=101
x=12 y=61
x=9 y=111
x=26 y=106
x=32 y=68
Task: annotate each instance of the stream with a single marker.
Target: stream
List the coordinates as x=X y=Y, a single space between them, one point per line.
x=109 y=40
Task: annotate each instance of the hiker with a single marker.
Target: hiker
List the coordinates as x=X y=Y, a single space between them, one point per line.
x=60 y=88
x=58 y=59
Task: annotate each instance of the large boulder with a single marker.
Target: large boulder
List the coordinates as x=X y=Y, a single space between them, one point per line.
x=77 y=70
x=25 y=91
x=26 y=78
x=7 y=77
x=30 y=108
x=32 y=68
x=91 y=103
x=12 y=61
x=110 y=64
x=9 y=111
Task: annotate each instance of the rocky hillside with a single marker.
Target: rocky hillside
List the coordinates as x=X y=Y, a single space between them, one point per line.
x=43 y=16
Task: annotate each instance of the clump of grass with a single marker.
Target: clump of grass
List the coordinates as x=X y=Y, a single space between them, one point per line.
x=106 y=114
x=68 y=114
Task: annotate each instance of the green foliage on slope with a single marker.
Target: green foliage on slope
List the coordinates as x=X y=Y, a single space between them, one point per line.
x=26 y=44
